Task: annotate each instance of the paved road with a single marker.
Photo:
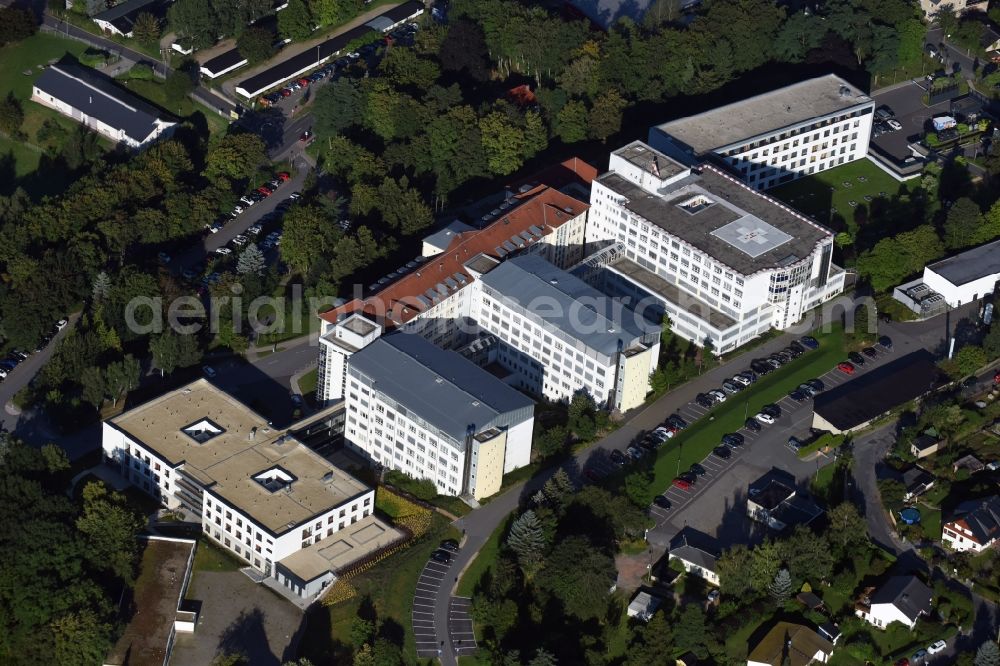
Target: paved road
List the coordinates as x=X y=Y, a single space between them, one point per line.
x=204 y=96
x=19 y=377
x=953 y=53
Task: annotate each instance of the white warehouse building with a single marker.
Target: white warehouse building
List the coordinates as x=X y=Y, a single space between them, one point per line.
x=724 y=261
x=432 y=414
x=778 y=136
x=258 y=492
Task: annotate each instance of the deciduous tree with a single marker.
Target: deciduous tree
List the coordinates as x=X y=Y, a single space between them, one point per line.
x=256 y=44
x=296 y=22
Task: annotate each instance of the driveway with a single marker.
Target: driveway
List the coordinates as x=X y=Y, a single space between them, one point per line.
x=907 y=103
x=237 y=615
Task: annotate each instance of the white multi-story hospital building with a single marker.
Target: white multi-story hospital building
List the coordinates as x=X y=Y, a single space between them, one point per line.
x=724 y=261
x=776 y=137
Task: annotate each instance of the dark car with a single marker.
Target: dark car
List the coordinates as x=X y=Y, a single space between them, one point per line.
x=794 y=353
x=809 y=341
x=703 y=400
x=749 y=375
x=794 y=444
x=697 y=470
x=761 y=367
x=856 y=358
x=450 y=545
x=676 y=421
x=618 y=458
x=733 y=440
x=440 y=556
x=722 y=452
x=772 y=410
x=970 y=382
x=817 y=384
x=885 y=341
x=649 y=444
x=751 y=424
x=689 y=477
x=798 y=395
x=661 y=502
x=870 y=352
x=796 y=347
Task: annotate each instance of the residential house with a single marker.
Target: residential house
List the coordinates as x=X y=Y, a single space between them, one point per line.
x=788 y=644
x=120 y=19
x=774 y=500
x=917 y=481
x=900 y=599
x=975 y=525
x=925 y=445
x=697 y=552
x=970 y=463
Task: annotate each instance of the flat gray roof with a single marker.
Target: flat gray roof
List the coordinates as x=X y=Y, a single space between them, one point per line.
x=647 y=159
x=725 y=229
x=567 y=303
x=764 y=113
x=971 y=265
x=441 y=387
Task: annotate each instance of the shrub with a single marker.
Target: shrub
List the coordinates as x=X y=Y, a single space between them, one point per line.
x=142 y=71
x=422 y=489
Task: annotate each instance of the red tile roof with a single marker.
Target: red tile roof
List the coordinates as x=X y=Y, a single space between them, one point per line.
x=543 y=210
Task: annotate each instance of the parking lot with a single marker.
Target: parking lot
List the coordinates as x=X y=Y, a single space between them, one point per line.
x=460 y=631
x=715 y=502
x=907 y=104
x=425 y=634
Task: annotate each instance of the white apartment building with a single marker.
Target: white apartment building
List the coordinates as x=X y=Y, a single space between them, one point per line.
x=259 y=493
x=436 y=294
x=776 y=137
x=432 y=414
x=724 y=261
x=559 y=335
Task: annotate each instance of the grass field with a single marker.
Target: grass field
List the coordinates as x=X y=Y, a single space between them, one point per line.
x=155 y=92
x=210 y=557
x=824 y=194
x=693 y=444
x=20 y=63
x=388 y=587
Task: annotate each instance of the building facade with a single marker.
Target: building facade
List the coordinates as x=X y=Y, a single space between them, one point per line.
x=560 y=336
x=777 y=137
x=723 y=261
x=975 y=527
x=429 y=412
x=903 y=599
x=257 y=492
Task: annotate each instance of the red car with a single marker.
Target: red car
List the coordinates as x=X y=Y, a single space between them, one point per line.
x=682 y=484
x=304 y=83
x=306 y=136
x=846 y=367
x=283 y=176
x=286 y=92
x=266 y=191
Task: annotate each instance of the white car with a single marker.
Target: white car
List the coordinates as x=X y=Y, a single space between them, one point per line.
x=236 y=211
x=894 y=124
x=255 y=229
x=718 y=395
x=764 y=418
x=936 y=646
x=240 y=240
x=223 y=251
x=742 y=381
x=61 y=324
x=215 y=228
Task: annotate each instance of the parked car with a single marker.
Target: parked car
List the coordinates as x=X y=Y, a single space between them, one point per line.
x=752 y=424
x=730 y=387
x=885 y=341
x=936 y=646
x=441 y=557
x=741 y=380
x=894 y=124
x=305 y=136
x=772 y=409
x=717 y=395
x=817 y=384
x=794 y=353
x=209 y=371
x=794 y=444
x=722 y=452
x=856 y=358
x=733 y=439
x=795 y=346
x=662 y=502
x=618 y=457
x=223 y=251
x=255 y=229
x=698 y=470
x=304 y=82
x=808 y=390
x=846 y=368
x=703 y=400
x=870 y=352
x=681 y=484
x=61 y=324
x=809 y=341
x=284 y=176
x=450 y=545
x=764 y=418
x=676 y=421
x=689 y=477
x=798 y=395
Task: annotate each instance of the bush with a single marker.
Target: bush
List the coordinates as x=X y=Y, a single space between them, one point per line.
x=94 y=58
x=422 y=489
x=142 y=71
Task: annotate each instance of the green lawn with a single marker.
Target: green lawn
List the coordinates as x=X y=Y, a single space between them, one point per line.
x=483 y=561
x=389 y=586
x=824 y=194
x=307 y=382
x=24 y=157
x=19 y=63
x=693 y=444
x=155 y=92
x=210 y=557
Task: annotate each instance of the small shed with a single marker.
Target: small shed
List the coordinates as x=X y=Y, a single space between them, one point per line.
x=810 y=600
x=643 y=605
x=969 y=462
x=924 y=445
